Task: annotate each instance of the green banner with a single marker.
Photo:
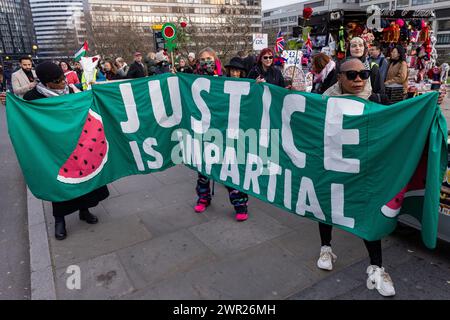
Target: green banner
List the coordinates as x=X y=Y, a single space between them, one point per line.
x=342 y=160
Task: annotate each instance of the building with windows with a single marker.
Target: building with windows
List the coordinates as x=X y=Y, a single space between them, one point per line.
x=59 y=27
x=286 y=17
x=283 y=18
x=216 y=23
x=16 y=29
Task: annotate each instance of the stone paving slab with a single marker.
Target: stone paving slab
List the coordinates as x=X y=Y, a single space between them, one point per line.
x=156 y=260
x=136 y=183
x=226 y=236
x=262 y=272
x=161 y=221
x=131 y=203
x=99 y=239
x=102 y=277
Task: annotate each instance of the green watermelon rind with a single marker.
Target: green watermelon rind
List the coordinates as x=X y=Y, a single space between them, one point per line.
x=71 y=180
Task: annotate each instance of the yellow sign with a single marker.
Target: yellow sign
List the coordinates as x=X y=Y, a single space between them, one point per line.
x=157 y=27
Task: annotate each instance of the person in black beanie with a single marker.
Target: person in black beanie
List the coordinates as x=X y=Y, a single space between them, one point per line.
x=52 y=83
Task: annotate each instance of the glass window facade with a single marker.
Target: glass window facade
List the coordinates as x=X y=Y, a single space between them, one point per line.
x=16 y=28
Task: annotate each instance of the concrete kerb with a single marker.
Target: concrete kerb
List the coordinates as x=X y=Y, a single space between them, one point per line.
x=42 y=274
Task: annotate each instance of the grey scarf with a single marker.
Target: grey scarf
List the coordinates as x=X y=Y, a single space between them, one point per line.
x=51 y=92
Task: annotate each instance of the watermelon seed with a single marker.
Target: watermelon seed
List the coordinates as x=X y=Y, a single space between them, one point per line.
x=93 y=139
x=75 y=157
x=101 y=154
x=85 y=161
x=396 y=200
x=103 y=142
x=99 y=129
x=93 y=167
x=85 y=131
x=81 y=173
x=90 y=149
x=65 y=170
x=81 y=145
x=89 y=119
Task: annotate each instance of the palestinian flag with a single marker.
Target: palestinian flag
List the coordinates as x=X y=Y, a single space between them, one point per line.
x=82 y=52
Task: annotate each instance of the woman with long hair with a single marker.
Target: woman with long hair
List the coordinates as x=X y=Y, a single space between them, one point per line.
x=324 y=71
x=358 y=48
x=71 y=76
x=398 y=69
x=265 y=71
x=111 y=72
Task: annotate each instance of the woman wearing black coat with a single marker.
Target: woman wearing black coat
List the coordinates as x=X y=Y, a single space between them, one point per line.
x=264 y=70
x=52 y=83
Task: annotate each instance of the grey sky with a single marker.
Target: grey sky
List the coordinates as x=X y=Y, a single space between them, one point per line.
x=269 y=4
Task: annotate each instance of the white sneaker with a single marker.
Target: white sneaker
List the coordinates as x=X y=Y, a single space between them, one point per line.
x=380 y=279
x=326 y=259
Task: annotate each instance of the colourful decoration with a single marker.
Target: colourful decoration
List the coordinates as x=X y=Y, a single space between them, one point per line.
x=400 y=22
x=307 y=13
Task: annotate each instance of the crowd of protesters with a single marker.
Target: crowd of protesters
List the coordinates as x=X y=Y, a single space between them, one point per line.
x=364 y=73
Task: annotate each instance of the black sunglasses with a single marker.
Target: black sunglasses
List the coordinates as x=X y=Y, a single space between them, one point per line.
x=268 y=57
x=352 y=74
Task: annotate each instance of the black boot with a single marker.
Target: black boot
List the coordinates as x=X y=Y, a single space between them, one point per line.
x=85 y=215
x=60 y=228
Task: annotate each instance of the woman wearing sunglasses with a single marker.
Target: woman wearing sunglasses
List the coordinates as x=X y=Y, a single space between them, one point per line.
x=353 y=79
x=265 y=71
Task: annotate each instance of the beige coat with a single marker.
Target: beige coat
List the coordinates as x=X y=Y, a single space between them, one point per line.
x=398 y=74
x=20 y=82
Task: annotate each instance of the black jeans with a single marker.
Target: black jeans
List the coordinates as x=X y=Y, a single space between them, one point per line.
x=373 y=247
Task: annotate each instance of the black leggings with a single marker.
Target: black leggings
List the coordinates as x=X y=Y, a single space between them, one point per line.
x=373 y=247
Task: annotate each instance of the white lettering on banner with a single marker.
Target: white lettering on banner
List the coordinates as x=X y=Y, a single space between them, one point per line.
x=274 y=170
x=307 y=192
x=335 y=137
x=292 y=103
x=235 y=89
x=288 y=189
x=251 y=176
x=265 y=120
x=137 y=155
x=199 y=85
x=337 y=207
x=212 y=149
x=230 y=166
x=132 y=124
x=148 y=149
x=158 y=106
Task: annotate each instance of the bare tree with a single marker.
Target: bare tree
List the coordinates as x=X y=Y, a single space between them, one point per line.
x=228 y=31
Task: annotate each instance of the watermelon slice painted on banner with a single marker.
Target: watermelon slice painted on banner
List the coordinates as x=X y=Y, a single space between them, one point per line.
x=415 y=187
x=90 y=154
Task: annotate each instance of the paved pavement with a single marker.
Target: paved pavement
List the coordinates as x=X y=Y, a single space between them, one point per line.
x=150 y=244
x=14 y=249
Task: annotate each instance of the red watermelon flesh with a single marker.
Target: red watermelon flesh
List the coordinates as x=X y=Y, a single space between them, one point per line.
x=415 y=187
x=90 y=154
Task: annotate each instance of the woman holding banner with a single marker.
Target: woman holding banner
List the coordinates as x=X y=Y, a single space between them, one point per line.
x=53 y=83
x=264 y=70
x=209 y=64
